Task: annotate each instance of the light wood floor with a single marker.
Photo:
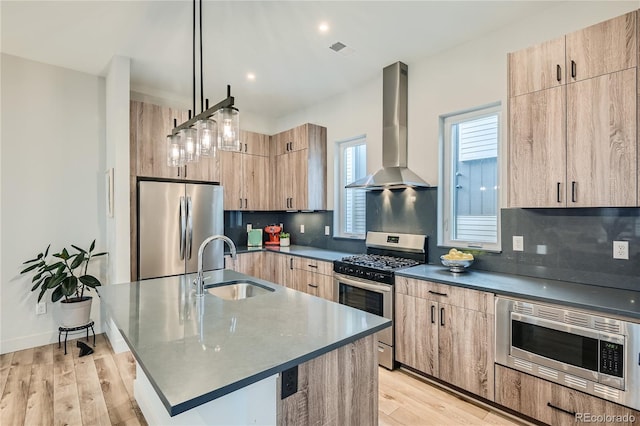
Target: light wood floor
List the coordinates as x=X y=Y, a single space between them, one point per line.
x=42 y=386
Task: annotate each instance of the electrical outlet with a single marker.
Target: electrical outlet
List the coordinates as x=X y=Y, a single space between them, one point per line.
x=302 y=229
x=327 y=230
x=41 y=308
x=518 y=243
x=621 y=250
x=289 y=382
x=249 y=227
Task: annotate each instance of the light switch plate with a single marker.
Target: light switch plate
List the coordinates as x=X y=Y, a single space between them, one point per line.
x=327 y=230
x=302 y=229
x=518 y=243
x=41 y=308
x=249 y=227
x=621 y=250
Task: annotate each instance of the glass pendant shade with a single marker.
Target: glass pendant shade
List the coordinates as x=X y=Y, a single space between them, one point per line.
x=175 y=151
x=207 y=136
x=228 y=129
x=189 y=139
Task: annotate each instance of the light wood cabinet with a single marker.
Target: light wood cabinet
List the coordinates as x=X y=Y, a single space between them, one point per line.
x=537 y=67
x=278 y=268
x=576 y=145
x=551 y=403
x=601 y=141
x=250 y=263
x=150 y=125
x=440 y=328
x=603 y=48
x=300 y=173
x=245 y=174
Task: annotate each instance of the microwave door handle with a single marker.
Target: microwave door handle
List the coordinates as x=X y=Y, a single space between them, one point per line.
x=183 y=226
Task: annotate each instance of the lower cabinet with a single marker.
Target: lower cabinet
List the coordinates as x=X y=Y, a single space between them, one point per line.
x=247 y=263
x=446 y=332
x=555 y=404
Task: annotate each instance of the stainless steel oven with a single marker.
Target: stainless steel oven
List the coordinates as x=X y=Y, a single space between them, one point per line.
x=581 y=350
x=375 y=298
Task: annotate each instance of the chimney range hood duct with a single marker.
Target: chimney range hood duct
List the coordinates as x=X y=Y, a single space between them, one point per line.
x=394 y=172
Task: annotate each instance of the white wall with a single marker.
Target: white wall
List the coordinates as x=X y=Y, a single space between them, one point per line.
x=52 y=184
x=470 y=75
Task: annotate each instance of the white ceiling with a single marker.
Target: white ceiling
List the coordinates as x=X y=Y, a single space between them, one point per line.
x=279 y=41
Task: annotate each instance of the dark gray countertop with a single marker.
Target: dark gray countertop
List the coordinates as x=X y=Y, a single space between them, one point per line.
x=603 y=299
x=194 y=350
x=302 y=251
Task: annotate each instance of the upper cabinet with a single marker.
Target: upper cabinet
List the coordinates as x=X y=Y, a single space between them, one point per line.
x=573 y=140
x=300 y=168
x=245 y=174
x=149 y=126
x=603 y=48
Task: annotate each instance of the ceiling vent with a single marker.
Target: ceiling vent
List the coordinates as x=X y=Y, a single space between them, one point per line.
x=337 y=46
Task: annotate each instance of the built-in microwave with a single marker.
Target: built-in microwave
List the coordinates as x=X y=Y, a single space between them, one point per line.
x=581 y=350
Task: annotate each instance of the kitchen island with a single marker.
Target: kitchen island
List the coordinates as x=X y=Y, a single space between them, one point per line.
x=218 y=361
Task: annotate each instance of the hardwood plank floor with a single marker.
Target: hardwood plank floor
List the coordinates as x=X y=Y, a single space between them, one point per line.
x=42 y=386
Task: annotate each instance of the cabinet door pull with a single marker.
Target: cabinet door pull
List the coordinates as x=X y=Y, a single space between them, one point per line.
x=438 y=294
x=291 y=263
x=573 y=191
x=313 y=285
x=240 y=202
x=558 y=73
x=571 y=413
x=442 y=317
x=179 y=171
x=558 y=193
x=433 y=314
x=246 y=203
x=245 y=147
x=185 y=171
x=573 y=69
x=313 y=266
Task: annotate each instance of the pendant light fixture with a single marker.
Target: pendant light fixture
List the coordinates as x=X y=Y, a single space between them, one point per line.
x=216 y=127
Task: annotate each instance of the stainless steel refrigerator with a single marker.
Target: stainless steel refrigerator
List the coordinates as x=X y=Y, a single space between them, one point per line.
x=173 y=220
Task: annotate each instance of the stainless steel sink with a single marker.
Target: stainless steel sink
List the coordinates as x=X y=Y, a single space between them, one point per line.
x=237 y=289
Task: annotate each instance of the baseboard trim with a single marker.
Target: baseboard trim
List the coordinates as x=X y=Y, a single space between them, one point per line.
x=35 y=340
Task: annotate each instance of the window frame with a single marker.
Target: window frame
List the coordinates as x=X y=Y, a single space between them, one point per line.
x=339 y=195
x=445 y=198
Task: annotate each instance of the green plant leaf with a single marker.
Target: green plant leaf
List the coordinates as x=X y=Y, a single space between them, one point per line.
x=69 y=285
x=81 y=250
x=99 y=254
x=90 y=281
x=56 y=280
x=30 y=268
x=37 y=276
x=36 y=285
x=53 y=266
x=42 y=291
x=32 y=260
x=93 y=245
x=57 y=294
x=77 y=261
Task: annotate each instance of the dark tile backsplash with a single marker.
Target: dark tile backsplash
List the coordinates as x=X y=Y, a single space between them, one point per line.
x=564 y=244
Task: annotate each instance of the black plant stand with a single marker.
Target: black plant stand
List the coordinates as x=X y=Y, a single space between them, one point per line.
x=67 y=330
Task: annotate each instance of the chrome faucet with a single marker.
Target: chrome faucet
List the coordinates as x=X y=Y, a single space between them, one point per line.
x=200 y=277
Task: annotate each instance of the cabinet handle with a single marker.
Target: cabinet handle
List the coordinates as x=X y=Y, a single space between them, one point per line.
x=573 y=191
x=246 y=204
x=313 y=266
x=179 y=171
x=573 y=69
x=558 y=192
x=558 y=73
x=185 y=171
x=442 y=317
x=313 y=285
x=245 y=147
x=240 y=202
x=438 y=294
x=572 y=413
x=433 y=314
x=291 y=263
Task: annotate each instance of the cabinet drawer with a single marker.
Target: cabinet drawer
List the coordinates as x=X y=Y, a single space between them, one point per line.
x=312 y=265
x=551 y=403
x=316 y=284
x=447 y=294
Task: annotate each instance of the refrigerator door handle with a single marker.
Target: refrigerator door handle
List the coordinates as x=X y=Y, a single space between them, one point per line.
x=189 y=226
x=183 y=226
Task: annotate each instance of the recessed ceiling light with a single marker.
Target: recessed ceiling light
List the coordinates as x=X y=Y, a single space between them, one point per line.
x=323 y=27
x=251 y=76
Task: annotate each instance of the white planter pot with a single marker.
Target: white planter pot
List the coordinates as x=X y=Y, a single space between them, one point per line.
x=76 y=311
x=284 y=242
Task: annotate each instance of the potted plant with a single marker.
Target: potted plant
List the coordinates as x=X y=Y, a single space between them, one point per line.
x=66 y=275
x=284 y=239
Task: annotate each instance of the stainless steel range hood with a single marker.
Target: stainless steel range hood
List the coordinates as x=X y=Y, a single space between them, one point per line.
x=394 y=172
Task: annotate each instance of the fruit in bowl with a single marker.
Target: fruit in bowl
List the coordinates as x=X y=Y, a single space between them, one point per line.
x=457 y=261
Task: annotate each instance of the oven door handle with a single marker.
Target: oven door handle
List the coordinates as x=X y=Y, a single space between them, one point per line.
x=378 y=288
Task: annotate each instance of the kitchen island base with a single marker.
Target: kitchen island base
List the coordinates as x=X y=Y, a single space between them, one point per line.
x=339 y=387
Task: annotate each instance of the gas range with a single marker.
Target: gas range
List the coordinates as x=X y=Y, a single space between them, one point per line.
x=386 y=253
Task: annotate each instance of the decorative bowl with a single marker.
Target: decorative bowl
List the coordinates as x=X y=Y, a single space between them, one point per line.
x=456 y=265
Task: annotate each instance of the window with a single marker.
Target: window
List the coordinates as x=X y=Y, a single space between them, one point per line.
x=350 y=216
x=468 y=200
